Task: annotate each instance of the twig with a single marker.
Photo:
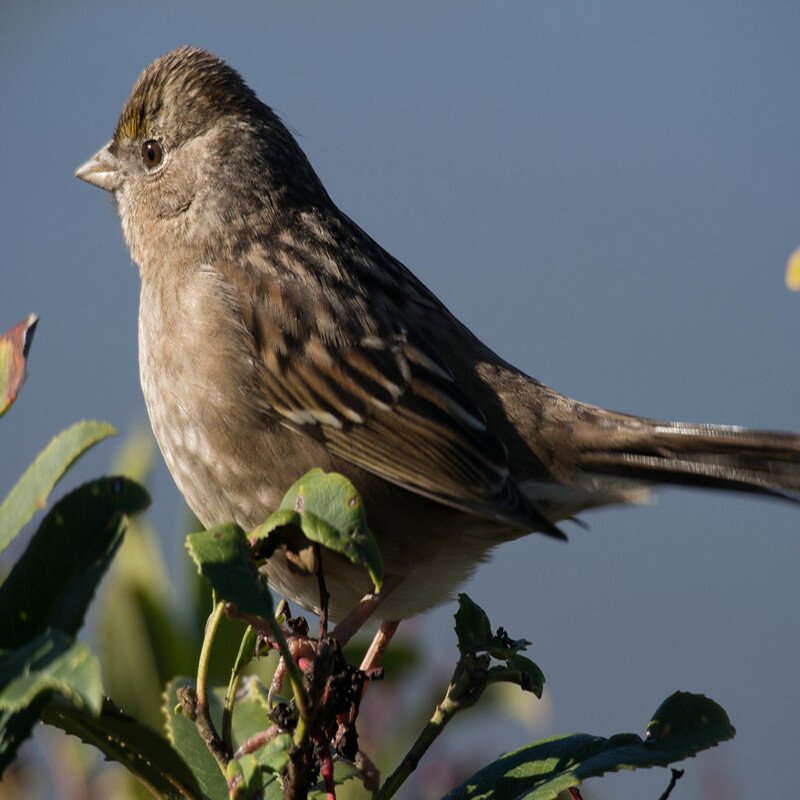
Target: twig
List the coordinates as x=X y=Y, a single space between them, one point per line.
x=677 y=774
x=195 y=701
x=247 y=644
x=466 y=686
x=256 y=741
x=271 y=630
x=298 y=772
x=212 y=625
x=326 y=767
x=190 y=706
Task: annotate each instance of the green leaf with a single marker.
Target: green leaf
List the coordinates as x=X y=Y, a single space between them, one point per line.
x=141 y=645
x=141 y=637
x=328 y=509
x=245 y=774
x=250 y=710
x=343 y=772
x=143 y=751
x=274 y=756
x=29 y=676
x=54 y=580
x=187 y=742
x=14 y=346
x=273 y=787
x=197 y=601
x=474 y=633
x=473 y=629
x=688 y=721
x=531 y=677
x=247 y=650
x=685 y=724
x=250 y=716
x=31 y=491
x=222 y=555
x=15 y=728
x=50 y=662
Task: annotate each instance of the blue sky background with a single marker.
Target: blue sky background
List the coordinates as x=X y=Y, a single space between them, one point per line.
x=606 y=193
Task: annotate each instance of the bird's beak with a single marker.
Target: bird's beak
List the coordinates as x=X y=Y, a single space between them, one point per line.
x=101 y=170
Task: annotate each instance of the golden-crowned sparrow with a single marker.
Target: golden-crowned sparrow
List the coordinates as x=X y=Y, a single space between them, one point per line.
x=275 y=336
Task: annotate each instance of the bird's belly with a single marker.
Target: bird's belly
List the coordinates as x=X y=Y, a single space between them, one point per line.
x=234 y=462
x=220 y=480
x=431 y=548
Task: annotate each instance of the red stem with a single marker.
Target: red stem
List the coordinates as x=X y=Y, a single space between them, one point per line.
x=326 y=770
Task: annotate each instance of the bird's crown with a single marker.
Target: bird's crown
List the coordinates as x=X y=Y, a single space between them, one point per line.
x=190 y=81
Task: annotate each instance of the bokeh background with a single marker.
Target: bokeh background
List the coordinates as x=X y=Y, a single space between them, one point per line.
x=606 y=193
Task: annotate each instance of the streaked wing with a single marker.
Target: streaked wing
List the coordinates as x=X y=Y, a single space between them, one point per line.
x=384 y=401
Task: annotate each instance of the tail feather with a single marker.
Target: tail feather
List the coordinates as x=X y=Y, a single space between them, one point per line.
x=710 y=456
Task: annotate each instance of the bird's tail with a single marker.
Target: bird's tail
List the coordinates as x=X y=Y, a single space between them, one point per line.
x=613 y=445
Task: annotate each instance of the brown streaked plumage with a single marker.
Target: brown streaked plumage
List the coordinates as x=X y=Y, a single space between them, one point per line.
x=275 y=336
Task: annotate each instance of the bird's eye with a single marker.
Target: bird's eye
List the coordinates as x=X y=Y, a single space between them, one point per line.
x=152 y=154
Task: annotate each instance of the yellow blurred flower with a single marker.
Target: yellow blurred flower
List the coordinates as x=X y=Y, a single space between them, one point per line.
x=793 y=271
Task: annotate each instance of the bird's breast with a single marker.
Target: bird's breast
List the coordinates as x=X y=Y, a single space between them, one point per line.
x=232 y=460
x=197 y=374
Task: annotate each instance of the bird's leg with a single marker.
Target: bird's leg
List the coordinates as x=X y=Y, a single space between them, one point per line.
x=374 y=654
x=352 y=623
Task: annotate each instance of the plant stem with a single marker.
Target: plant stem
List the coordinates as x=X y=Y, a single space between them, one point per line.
x=205 y=725
x=295 y=678
x=257 y=741
x=677 y=774
x=467 y=685
x=443 y=714
x=275 y=634
x=326 y=768
x=298 y=773
x=246 y=649
x=302 y=731
x=212 y=625
x=187 y=697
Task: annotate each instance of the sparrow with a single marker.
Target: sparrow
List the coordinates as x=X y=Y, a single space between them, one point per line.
x=276 y=336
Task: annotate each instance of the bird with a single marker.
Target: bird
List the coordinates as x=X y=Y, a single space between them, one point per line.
x=276 y=336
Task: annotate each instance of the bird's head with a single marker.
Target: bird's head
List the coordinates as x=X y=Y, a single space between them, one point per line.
x=197 y=158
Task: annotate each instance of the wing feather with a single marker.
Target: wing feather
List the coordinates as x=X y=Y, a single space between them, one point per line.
x=389 y=404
